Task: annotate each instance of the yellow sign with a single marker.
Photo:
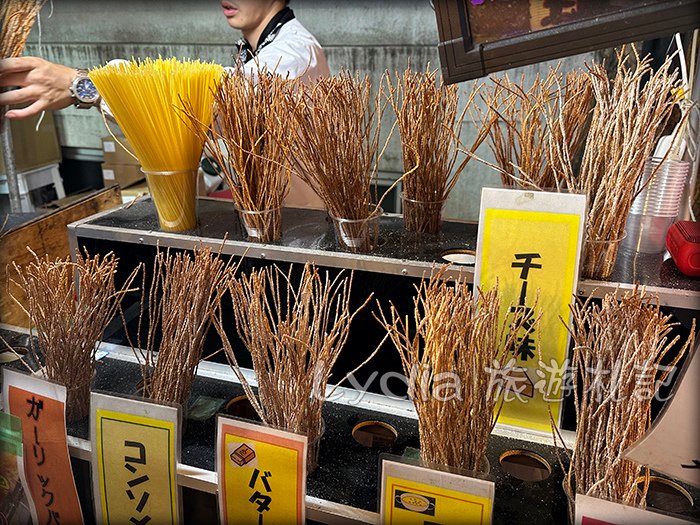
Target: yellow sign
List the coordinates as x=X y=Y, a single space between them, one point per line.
x=529 y=243
x=411 y=494
x=134 y=463
x=262 y=474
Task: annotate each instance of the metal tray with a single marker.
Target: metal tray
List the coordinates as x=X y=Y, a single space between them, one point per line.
x=308 y=235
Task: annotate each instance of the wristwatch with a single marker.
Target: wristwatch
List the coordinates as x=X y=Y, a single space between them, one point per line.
x=83 y=91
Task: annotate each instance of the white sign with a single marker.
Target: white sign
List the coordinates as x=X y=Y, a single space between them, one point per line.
x=672 y=445
x=594 y=511
x=529 y=243
x=135 y=450
x=414 y=494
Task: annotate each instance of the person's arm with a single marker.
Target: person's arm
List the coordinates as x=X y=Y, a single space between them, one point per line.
x=43 y=84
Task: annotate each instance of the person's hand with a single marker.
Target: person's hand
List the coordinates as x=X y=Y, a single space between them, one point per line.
x=43 y=84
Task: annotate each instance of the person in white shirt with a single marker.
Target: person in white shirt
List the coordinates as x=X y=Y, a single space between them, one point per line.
x=273 y=40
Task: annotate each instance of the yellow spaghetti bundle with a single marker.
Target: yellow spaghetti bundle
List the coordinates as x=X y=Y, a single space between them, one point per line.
x=146 y=98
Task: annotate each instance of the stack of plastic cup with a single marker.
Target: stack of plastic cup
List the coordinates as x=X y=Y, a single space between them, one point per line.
x=657 y=206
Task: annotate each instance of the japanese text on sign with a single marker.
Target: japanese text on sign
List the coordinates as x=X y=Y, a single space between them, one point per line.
x=262 y=474
x=48 y=476
x=529 y=244
x=414 y=494
x=134 y=461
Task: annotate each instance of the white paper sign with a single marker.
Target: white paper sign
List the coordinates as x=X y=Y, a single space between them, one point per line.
x=110 y=147
x=45 y=466
x=594 y=511
x=262 y=474
x=413 y=494
x=135 y=450
x=672 y=445
x=108 y=174
x=529 y=244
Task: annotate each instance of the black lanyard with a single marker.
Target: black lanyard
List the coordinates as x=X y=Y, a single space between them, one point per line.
x=245 y=50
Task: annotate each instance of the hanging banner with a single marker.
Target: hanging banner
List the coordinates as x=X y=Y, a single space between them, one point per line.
x=530 y=244
x=135 y=450
x=262 y=474
x=594 y=511
x=672 y=445
x=413 y=494
x=46 y=473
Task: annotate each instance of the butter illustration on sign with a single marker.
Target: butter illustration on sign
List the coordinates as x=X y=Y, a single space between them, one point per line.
x=243 y=455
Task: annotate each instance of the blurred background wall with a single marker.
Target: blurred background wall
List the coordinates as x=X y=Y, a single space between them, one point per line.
x=362 y=36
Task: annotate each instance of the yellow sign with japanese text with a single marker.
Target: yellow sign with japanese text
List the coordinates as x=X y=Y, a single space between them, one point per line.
x=412 y=494
x=134 y=464
x=530 y=244
x=262 y=474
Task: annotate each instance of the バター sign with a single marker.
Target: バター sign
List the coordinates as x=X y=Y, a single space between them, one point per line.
x=262 y=474
x=529 y=243
x=135 y=450
x=414 y=494
x=46 y=473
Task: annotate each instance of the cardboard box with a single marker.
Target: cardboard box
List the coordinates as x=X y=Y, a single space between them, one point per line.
x=123 y=174
x=115 y=154
x=134 y=192
x=33 y=149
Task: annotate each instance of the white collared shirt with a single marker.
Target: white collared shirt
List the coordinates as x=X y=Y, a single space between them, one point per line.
x=294 y=52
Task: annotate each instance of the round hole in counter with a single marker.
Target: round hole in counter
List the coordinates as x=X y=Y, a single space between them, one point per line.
x=667 y=495
x=240 y=406
x=463 y=257
x=525 y=465
x=375 y=434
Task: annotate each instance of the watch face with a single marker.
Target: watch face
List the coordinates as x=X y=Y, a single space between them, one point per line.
x=85 y=90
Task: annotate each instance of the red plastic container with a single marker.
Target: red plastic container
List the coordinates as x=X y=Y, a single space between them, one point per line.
x=683 y=243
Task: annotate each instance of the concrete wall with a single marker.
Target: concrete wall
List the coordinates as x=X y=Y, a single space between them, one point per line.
x=365 y=36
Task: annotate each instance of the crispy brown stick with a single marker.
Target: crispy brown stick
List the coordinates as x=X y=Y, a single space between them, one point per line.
x=622 y=135
x=294 y=333
x=16 y=21
x=451 y=334
x=618 y=346
x=521 y=133
x=70 y=322
x=336 y=142
x=430 y=125
x=184 y=293
x=248 y=139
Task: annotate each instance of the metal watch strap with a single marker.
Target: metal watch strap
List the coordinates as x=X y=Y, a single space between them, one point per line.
x=81 y=73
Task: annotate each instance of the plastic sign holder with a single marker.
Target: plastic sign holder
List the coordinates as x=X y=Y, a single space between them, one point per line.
x=411 y=493
x=529 y=243
x=262 y=473
x=135 y=451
